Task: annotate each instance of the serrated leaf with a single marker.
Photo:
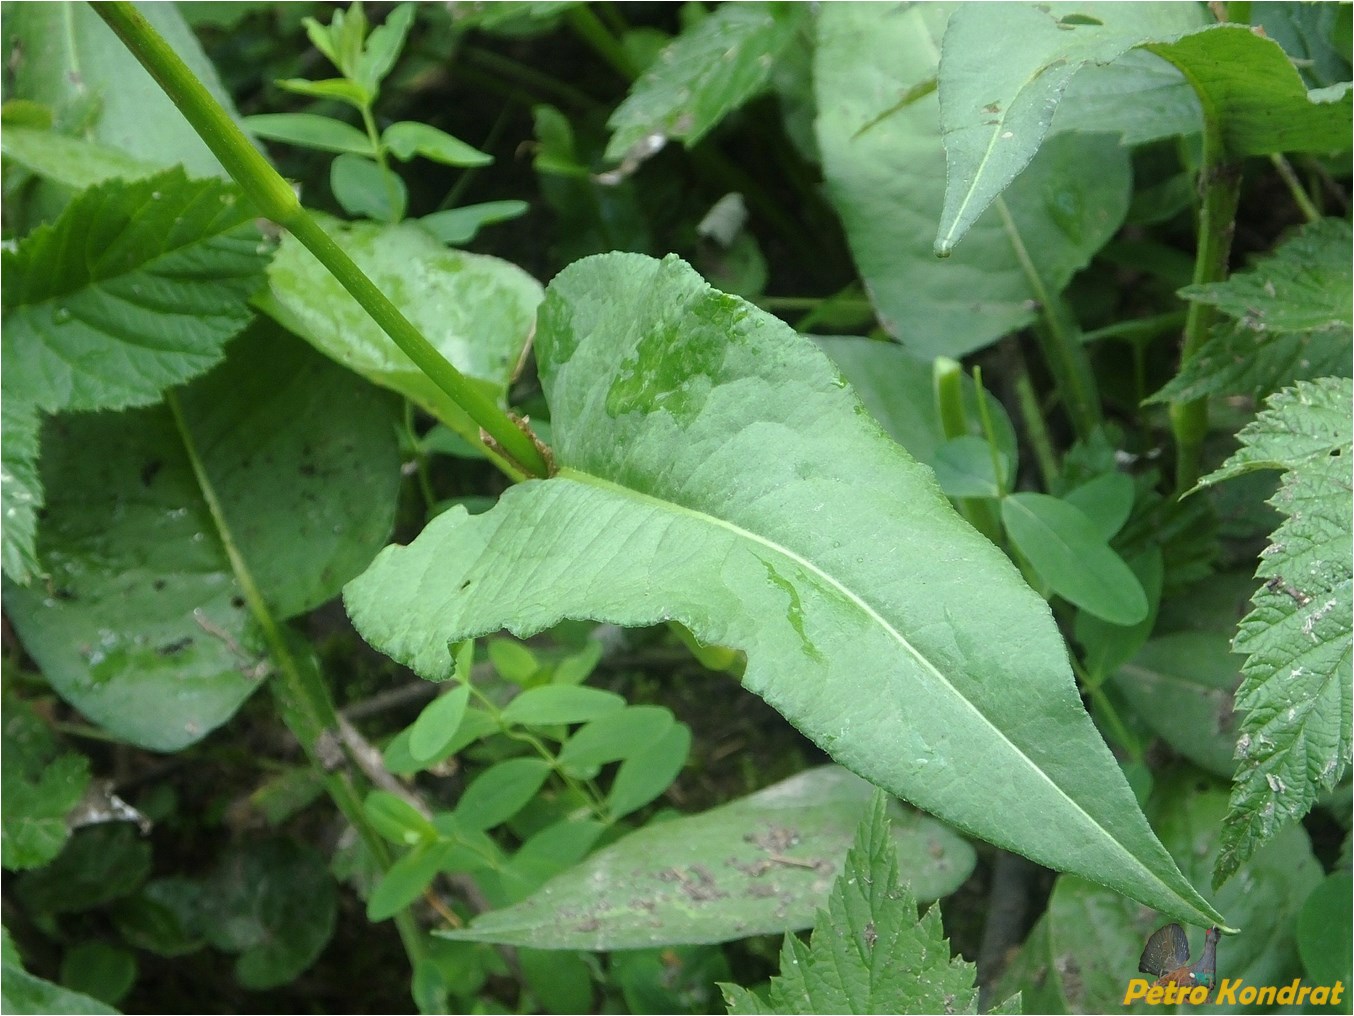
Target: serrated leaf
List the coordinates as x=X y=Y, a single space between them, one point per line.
x=869 y=952
x=705 y=73
x=134 y=289
x=1063 y=546
x=760 y=864
x=1237 y=360
x=1295 y=740
x=478 y=311
x=1293 y=317
x=1251 y=90
x=41 y=784
x=1304 y=285
x=309 y=130
x=885 y=172
x=714 y=469
x=1003 y=69
x=144 y=629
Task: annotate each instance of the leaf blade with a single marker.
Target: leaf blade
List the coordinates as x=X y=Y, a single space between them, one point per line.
x=708 y=457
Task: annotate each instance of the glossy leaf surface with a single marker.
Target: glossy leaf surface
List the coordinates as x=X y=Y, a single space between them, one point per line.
x=715 y=470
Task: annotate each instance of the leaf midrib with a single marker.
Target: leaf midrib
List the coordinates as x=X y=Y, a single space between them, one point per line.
x=591 y=479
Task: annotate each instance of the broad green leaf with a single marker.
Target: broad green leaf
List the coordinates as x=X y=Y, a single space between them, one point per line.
x=1003 y=69
x=477 y=310
x=705 y=73
x=71 y=162
x=458 y=226
x=1311 y=35
x=40 y=785
x=274 y=903
x=758 y=865
x=406 y=879
x=143 y=628
x=408 y=138
x=75 y=64
x=870 y=952
x=1100 y=936
x=397 y=820
x=1139 y=96
x=437 y=724
x=1069 y=554
x=1295 y=740
x=366 y=188
x=1324 y=938
x=896 y=387
x=20 y=487
x=500 y=792
x=1181 y=685
x=615 y=736
x=556 y=703
x=885 y=170
x=1250 y=88
x=1292 y=314
x=134 y=289
x=310 y=130
x=715 y=470
x=648 y=772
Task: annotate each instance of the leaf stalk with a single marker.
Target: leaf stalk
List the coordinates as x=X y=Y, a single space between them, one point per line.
x=275 y=199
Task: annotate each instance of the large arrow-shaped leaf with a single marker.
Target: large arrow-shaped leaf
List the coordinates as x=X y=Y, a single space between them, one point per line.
x=717 y=470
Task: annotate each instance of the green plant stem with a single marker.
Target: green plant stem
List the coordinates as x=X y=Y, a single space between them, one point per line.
x=305 y=704
x=275 y=199
x=1309 y=210
x=387 y=175
x=1220 y=190
x=1059 y=339
x=1036 y=432
x=590 y=29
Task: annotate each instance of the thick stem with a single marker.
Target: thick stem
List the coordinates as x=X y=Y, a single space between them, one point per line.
x=1219 y=192
x=274 y=198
